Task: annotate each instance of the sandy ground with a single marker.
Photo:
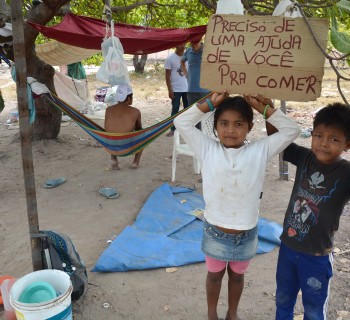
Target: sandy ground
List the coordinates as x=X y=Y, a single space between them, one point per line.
x=76 y=209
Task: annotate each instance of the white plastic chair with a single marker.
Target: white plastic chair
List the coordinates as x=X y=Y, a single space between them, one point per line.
x=182 y=148
x=207 y=123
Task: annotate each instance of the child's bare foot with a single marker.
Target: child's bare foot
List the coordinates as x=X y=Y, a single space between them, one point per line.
x=114 y=163
x=115 y=166
x=213 y=316
x=134 y=166
x=235 y=317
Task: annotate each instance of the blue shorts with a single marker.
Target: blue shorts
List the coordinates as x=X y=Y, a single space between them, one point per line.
x=227 y=246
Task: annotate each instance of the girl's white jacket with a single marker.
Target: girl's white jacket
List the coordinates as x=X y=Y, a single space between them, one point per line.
x=233 y=178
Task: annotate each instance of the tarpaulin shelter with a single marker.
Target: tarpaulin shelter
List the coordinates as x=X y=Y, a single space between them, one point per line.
x=57 y=53
x=88 y=33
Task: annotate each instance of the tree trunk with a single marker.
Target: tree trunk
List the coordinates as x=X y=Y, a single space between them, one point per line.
x=139 y=65
x=48 y=118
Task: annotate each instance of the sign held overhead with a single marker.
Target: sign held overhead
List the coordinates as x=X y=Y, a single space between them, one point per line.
x=274 y=56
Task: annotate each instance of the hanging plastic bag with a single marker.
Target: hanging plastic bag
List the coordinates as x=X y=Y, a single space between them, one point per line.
x=229 y=7
x=113 y=70
x=110 y=42
x=288 y=9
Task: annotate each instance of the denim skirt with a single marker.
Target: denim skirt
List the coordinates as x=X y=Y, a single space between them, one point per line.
x=227 y=246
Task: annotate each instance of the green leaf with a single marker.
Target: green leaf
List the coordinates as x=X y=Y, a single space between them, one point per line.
x=344 y=4
x=340 y=41
x=334 y=18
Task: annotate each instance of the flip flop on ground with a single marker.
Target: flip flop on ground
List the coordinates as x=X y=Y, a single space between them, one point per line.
x=52 y=183
x=110 y=193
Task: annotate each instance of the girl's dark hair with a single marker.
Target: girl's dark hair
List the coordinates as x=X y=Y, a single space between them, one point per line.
x=335 y=115
x=236 y=103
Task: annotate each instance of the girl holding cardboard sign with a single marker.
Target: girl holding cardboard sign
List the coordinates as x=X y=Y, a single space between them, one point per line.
x=233 y=174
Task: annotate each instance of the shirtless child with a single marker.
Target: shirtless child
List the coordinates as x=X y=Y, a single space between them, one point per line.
x=122 y=117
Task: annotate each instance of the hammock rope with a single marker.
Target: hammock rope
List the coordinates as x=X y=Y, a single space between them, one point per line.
x=119 y=144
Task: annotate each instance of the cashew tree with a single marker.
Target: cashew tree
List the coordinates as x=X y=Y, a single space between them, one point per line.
x=153 y=13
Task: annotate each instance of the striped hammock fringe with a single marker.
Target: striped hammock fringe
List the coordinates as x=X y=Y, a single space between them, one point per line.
x=119 y=144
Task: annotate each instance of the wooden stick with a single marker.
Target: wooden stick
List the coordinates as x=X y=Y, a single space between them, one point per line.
x=25 y=130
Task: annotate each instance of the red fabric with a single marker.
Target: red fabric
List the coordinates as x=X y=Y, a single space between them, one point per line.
x=86 y=32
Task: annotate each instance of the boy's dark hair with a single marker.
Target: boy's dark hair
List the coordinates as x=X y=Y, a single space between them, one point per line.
x=128 y=96
x=236 y=103
x=335 y=115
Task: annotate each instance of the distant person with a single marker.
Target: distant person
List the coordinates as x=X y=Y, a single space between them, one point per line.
x=176 y=82
x=76 y=70
x=233 y=174
x=64 y=69
x=121 y=118
x=320 y=192
x=2 y=103
x=193 y=56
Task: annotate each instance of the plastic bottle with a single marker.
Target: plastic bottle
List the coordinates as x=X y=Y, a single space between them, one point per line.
x=5 y=293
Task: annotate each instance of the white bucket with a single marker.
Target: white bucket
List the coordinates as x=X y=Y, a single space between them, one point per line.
x=59 y=308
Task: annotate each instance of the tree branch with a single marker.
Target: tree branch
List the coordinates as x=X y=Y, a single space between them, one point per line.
x=132 y=6
x=251 y=9
x=208 y=4
x=327 y=56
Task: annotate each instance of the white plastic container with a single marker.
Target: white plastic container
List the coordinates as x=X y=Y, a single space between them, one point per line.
x=59 y=308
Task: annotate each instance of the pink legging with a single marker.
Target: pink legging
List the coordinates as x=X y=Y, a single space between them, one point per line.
x=214 y=265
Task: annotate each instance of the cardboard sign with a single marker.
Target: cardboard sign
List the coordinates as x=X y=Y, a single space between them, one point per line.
x=273 y=56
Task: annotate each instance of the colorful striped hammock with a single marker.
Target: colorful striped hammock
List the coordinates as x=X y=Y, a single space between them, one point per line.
x=119 y=144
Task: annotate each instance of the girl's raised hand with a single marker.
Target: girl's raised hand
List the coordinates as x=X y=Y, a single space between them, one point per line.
x=258 y=101
x=218 y=97
x=261 y=104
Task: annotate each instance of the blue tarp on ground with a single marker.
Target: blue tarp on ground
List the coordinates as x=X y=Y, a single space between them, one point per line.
x=165 y=235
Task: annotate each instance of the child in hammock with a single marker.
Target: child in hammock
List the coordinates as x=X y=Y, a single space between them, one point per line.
x=233 y=174
x=122 y=117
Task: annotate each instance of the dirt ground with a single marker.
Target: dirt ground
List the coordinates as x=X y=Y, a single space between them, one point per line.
x=76 y=209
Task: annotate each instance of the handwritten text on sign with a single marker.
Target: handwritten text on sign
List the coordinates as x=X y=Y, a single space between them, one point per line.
x=274 y=56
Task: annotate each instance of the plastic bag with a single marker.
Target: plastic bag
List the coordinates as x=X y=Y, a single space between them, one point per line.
x=229 y=7
x=111 y=96
x=113 y=70
x=110 y=42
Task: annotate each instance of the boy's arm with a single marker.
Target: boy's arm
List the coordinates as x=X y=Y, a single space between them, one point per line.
x=287 y=132
x=168 y=83
x=106 y=117
x=183 y=68
x=138 y=125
